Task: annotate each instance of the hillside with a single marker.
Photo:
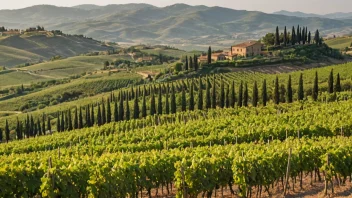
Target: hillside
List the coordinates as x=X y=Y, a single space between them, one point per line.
x=339 y=43
x=25 y=48
x=336 y=15
x=181 y=25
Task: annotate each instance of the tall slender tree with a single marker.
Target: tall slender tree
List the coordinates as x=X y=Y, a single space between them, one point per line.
x=1 y=135
x=240 y=95
x=144 y=104
x=183 y=100
x=293 y=36
x=121 y=109
x=136 y=108
x=191 y=66
x=317 y=37
x=128 y=112
x=103 y=112
x=213 y=98
x=186 y=64
x=222 y=93
x=191 y=98
x=7 y=131
x=196 y=66
x=289 y=93
x=309 y=38
x=116 y=112
x=75 y=125
x=58 y=127
x=99 y=118
x=304 y=36
x=298 y=37
x=300 y=88
x=160 y=102
x=285 y=36
x=264 y=93
x=276 y=91
x=338 y=83
x=80 y=122
x=108 y=112
x=62 y=121
x=315 y=87
x=245 y=95
x=200 y=95
x=92 y=116
x=331 y=82
x=277 y=36
x=255 y=95
x=167 y=105
x=232 y=95
x=173 y=99
x=207 y=95
x=43 y=124
x=209 y=55
x=152 y=104
x=49 y=125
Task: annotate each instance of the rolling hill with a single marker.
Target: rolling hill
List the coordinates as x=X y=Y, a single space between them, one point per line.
x=336 y=15
x=15 y=50
x=181 y=25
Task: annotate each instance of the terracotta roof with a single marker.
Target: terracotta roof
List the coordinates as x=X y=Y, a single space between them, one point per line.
x=246 y=44
x=203 y=58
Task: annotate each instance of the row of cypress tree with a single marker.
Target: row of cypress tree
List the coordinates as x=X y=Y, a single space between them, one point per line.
x=226 y=97
x=191 y=63
x=301 y=35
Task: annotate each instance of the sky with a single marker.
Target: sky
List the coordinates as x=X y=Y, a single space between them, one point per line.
x=269 y=6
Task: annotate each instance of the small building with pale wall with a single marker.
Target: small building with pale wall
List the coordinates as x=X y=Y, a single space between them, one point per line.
x=246 y=49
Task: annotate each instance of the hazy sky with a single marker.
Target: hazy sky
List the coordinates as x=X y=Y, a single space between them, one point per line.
x=311 y=6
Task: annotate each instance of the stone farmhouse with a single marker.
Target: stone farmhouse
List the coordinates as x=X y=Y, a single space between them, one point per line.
x=246 y=49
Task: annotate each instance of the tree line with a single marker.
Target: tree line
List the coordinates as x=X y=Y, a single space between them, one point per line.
x=209 y=96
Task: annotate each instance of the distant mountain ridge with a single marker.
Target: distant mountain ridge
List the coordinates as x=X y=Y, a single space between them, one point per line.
x=336 y=15
x=180 y=24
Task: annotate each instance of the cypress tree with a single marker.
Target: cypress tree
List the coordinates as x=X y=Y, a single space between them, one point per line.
x=167 y=105
x=191 y=98
x=222 y=94
x=300 y=88
x=298 y=35
x=285 y=36
x=232 y=95
x=183 y=100
x=69 y=117
x=49 y=125
x=227 y=96
x=276 y=91
x=289 y=93
x=173 y=100
x=144 y=105
x=88 y=121
x=75 y=125
x=108 y=111
x=240 y=95
x=277 y=36
x=255 y=95
x=309 y=37
x=31 y=128
x=35 y=129
x=317 y=37
x=92 y=116
x=191 y=66
x=209 y=55
x=282 y=93
x=213 y=98
x=116 y=112
x=18 y=130
x=264 y=93
x=186 y=64
x=207 y=95
x=99 y=118
x=62 y=122
x=80 y=119
x=338 y=83
x=7 y=131
x=152 y=104
x=195 y=62
x=128 y=113
x=121 y=109
x=200 y=95
x=160 y=102
x=103 y=112
x=331 y=82
x=315 y=88
x=1 y=135
x=304 y=36
x=245 y=95
x=43 y=126
x=293 y=36
x=58 y=127
x=135 y=108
